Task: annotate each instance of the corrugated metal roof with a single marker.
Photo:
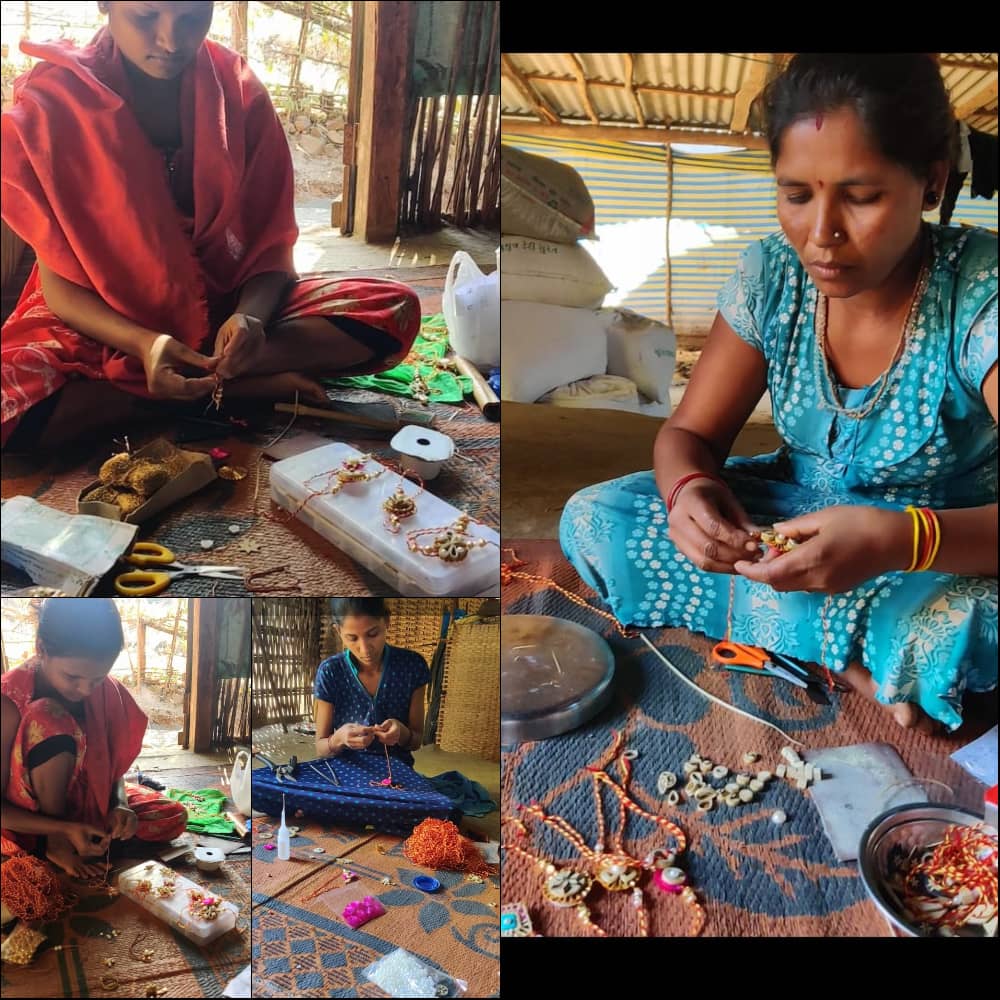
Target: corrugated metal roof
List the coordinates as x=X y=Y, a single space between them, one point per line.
x=690 y=89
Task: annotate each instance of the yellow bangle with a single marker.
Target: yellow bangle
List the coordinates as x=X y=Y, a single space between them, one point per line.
x=937 y=541
x=916 y=538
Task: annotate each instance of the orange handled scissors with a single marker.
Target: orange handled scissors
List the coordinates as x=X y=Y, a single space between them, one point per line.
x=735 y=655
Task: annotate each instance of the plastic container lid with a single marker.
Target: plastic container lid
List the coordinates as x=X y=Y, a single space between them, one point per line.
x=555 y=675
x=426 y=884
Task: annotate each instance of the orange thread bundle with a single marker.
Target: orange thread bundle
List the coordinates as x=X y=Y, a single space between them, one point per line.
x=31 y=890
x=436 y=843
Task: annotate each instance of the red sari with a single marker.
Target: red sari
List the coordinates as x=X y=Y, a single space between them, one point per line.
x=107 y=744
x=72 y=133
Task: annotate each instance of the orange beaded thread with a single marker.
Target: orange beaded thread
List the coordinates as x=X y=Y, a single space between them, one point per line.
x=31 y=890
x=508 y=572
x=962 y=873
x=436 y=843
x=617 y=870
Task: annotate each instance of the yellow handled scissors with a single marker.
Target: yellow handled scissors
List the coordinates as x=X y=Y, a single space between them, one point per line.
x=145 y=582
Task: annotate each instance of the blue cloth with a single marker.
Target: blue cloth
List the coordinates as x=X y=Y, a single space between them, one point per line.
x=469 y=796
x=930 y=441
x=403 y=672
x=355 y=802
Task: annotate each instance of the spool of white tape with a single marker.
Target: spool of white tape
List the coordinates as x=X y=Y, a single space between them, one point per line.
x=209 y=859
x=422 y=450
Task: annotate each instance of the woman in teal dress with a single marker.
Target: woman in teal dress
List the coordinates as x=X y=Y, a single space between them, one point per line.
x=876 y=335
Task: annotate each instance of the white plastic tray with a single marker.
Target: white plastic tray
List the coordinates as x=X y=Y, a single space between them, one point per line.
x=354 y=522
x=174 y=909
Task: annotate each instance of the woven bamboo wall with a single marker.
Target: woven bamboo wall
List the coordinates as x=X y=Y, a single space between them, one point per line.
x=414 y=623
x=286 y=652
x=469 y=720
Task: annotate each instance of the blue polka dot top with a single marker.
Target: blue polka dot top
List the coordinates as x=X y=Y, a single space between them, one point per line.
x=403 y=672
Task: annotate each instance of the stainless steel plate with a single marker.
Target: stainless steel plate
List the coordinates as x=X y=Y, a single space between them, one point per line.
x=555 y=675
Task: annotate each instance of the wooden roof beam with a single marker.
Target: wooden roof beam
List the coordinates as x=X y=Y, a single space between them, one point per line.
x=640 y=115
x=650 y=88
x=628 y=133
x=581 y=79
x=538 y=103
x=753 y=84
x=978 y=98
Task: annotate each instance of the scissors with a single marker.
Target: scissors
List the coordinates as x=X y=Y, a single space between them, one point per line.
x=753 y=659
x=144 y=582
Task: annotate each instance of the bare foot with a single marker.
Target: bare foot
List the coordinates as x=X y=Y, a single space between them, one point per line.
x=860 y=680
x=60 y=852
x=281 y=387
x=906 y=714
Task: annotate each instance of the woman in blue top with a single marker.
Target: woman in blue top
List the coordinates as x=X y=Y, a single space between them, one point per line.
x=876 y=336
x=364 y=694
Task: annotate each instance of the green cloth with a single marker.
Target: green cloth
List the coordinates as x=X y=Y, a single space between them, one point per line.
x=432 y=342
x=204 y=809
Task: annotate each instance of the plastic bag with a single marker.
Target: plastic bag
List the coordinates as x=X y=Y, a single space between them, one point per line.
x=471 y=307
x=401 y=974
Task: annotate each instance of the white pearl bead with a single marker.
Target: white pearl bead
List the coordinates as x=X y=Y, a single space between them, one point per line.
x=778 y=817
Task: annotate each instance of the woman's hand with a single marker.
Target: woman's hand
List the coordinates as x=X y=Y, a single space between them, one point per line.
x=839 y=548
x=124 y=823
x=710 y=527
x=88 y=841
x=238 y=344
x=164 y=359
x=354 y=737
x=390 y=732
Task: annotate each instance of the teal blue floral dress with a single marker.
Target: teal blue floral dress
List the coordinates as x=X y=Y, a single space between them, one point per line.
x=930 y=441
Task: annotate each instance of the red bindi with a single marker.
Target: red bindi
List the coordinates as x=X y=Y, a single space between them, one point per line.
x=819 y=122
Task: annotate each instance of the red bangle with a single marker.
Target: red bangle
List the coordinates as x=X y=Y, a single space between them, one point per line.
x=683 y=481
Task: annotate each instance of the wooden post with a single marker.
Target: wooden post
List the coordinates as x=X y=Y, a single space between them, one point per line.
x=203 y=640
x=303 y=38
x=140 y=652
x=670 y=200
x=385 y=86
x=239 y=13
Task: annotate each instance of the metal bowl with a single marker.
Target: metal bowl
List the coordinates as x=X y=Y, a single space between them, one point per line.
x=555 y=675
x=904 y=827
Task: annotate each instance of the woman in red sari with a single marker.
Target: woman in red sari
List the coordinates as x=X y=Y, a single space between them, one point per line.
x=152 y=177
x=70 y=732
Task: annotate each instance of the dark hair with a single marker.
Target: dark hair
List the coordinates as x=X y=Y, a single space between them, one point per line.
x=899 y=97
x=370 y=607
x=86 y=627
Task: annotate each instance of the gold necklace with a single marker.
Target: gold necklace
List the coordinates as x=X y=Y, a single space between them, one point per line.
x=829 y=397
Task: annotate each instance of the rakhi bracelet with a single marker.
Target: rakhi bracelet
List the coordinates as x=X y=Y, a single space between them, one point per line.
x=683 y=481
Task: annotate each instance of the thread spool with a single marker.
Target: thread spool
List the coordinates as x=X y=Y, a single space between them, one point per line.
x=422 y=450
x=209 y=859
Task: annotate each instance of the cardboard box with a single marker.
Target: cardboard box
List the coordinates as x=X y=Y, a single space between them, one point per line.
x=198 y=472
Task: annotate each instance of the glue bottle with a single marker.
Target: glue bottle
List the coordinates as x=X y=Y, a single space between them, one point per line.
x=284 y=840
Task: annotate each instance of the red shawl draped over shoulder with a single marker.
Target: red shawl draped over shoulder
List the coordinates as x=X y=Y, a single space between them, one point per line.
x=114 y=728
x=83 y=185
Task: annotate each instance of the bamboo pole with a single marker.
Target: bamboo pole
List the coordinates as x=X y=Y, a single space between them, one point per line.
x=670 y=205
x=140 y=638
x=443 y=150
